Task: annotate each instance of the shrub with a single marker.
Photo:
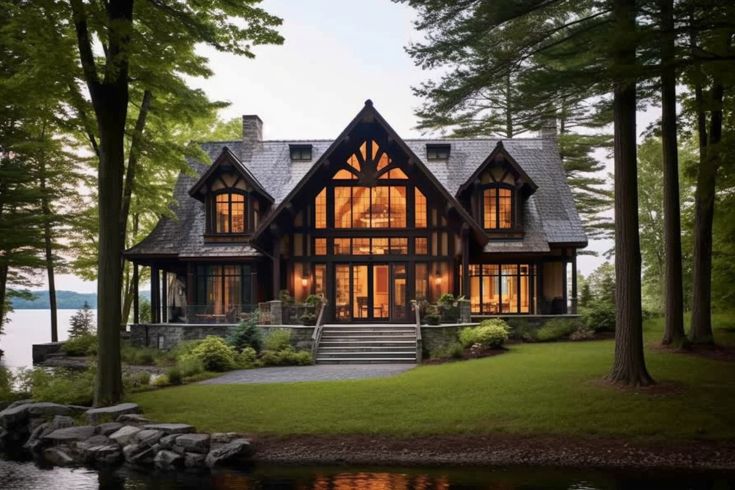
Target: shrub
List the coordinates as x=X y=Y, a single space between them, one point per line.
x=6 y=384
x=453 y=350
x=189 y=365
x=174 y=376
x=556 y=329
x=491 y=333
x=172 y=356
x=600 y=316
x=277 y=339
x=83 y=345
x=308 y=319
x=81 y=322
x=161 y=380
x=136 y=380
x=138 y=356
x=247 y=359
x=285 y=357
x=583 y=332
x=215 y=354
x=520 y=329
x=246 y=334
x=59 y=385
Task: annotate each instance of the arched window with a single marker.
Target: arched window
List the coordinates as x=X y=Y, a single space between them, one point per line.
x=497 y=208
x=230 y=213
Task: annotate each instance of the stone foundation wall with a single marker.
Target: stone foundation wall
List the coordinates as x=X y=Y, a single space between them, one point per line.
x=167 y=335
x=42 y=351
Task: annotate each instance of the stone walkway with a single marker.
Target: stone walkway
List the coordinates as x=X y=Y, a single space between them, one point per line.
x=319 y=372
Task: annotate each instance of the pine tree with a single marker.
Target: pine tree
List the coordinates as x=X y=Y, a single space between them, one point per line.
x=81 y=323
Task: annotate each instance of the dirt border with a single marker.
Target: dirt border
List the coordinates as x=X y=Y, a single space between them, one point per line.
x=495 y=450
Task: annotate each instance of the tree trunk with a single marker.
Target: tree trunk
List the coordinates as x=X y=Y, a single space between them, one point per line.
x=48 y=250
x=508 y=107
x=673 y=288
x=629 y=367
x=3 y=295
x=704 y=210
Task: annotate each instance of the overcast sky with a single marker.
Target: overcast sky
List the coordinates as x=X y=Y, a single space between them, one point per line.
x=336 y=55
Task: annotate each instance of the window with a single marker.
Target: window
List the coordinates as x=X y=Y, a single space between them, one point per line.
x=369 y=207
x=422 y=246
x=320 y=209
x=496 y=289
x=420 y=209
x=222 y=289
x=300 y=153
x=497 y=208
x=320 y=246
x=437 y=151
x=230 y=213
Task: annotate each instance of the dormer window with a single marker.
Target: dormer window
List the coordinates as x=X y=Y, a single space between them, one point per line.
x=300 y=153
x=230 y=212
x=497 y=207
x=437 y=152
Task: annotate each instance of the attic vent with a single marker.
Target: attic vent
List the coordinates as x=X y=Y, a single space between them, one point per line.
x=437 y=151
x=300 y=153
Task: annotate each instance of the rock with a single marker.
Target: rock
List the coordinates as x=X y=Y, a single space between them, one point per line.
x=108 y=428
x=194 y=460
x=69 y=434
x=46 y=409
x=194 y=443
x=167 y=442
x=171 y=428
x=148 y=437
x=57 y=457
x=17 y=403
x=232 y=452
x=223 y=437
x=124 y=435
x=138 y=454
x=132 y=418
x=112 y=412
x=19 y=414
x=99 y=449
x=166 y=459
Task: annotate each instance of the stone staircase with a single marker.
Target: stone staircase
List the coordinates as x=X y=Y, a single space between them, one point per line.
x=367 y=344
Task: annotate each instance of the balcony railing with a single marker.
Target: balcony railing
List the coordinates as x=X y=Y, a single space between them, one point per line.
x=208 y=314
x=280 y=313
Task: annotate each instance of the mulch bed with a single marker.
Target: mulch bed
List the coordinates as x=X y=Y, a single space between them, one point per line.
x=495 y=450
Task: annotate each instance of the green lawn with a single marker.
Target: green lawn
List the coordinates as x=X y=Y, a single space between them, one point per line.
x=552 y=388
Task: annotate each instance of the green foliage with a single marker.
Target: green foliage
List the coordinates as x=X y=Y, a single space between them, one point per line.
x=161 y=381
x=599 y=316
x=247 y=359
x=285 y=357
x=6 y=384
x=277 y=339
x=59 y=385
x=81 y=323
x=557 y=328
x=83 y=345
x=521 y=329
x=136 y=381
x=583 y=332
x=144 y=311
x=215 y=354
x=246 y=334
x=453 y=350
x=490 y=333
x=174 y=376
x=189 y=365
x=138 y=356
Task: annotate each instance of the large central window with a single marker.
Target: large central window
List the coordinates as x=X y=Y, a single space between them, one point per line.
x=230 y=213
x=382 y=206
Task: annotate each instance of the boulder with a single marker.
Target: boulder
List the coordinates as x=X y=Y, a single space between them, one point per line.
x=166 y=459
x=17 y=403
x=112 y=412
x=19 y=414
x=194 y=460
x=47 y=409
x=194 y=443
x=171 y=428
x=167 y=442
x=69 y=434
x=35 y=442
x=57 y=457
x=108 y=428
x=132 y=418
x=99 y=449
x=148 y=437
x=139 y=454
x=124 y=435
x=232 y=452
x=223 y=437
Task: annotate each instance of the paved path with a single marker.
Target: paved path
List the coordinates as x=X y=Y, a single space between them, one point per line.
x=319 y=372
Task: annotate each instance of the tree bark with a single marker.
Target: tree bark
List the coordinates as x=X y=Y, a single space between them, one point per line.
x=110 y=102
x=48 y=249
x=3 y=294
x=704 y=210
x=673 y=288
x=629 y=367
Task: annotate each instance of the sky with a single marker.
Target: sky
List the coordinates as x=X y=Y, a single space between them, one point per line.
x=336 y=54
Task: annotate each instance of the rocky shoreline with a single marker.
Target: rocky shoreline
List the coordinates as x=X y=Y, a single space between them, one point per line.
x=70 y=435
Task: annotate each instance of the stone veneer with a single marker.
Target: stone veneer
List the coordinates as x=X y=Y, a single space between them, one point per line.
x=167 y=335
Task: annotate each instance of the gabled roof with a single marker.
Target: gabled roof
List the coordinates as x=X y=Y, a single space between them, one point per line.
x=499 y=149
x=370 y=114
x=226 y=157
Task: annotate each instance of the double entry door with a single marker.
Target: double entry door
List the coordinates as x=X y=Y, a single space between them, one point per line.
x=371 y=292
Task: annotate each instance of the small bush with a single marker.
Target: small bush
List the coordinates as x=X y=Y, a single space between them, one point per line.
x=556 y=329
x=277 y=339
x=308 y=319
x=138 y=356
x=247 y=359
x=246 y=335
x=83 y=345
x=520 y=329
x=161 y=380
x=285 y=357
x=135 y=381
x=215 y=354
x=583 y=332
x=59 y=386
x=600 y=316
x=491 y=333
x=174 y=376
x=451 y=351
x=6 y=384
x=172 y=356
x=189 y=365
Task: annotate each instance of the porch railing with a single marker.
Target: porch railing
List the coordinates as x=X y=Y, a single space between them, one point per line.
x=417 y=314
x=209 y=314
x=280 y=313
x=317 y=335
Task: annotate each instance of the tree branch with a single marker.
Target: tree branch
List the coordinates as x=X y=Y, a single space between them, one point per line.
x=83 y=41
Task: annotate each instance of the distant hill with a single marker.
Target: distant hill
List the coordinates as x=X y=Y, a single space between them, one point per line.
x=65 y=300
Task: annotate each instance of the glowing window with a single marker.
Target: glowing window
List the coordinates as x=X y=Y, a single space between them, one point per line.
x=230 y=213
x=320 y=246
x=420 y=209
x=497 y=208
x=421 y=245
x=320 y=209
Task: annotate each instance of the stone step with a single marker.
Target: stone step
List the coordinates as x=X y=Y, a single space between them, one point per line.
x=370 y=330
x=346 y=342
x=370 y=354
x=370 y=335
x=363 y=360
x=366 y=348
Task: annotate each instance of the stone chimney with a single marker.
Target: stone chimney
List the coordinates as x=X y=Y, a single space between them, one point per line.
x=252 y=134
x=548 y=133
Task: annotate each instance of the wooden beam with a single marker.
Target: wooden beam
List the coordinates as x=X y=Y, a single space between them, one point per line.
x=155 y=294
x=574 y=282
x=164 y=297
x=136 y=306
x=276 y=267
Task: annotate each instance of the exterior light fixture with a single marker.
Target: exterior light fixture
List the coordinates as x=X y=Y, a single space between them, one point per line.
x=438 y=279
x=304 y=281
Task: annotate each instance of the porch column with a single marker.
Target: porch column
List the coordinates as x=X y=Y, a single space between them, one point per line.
x=155 y=295
x=136 y=306
x=164 y=297
x=189 y=285
x=466 y=262
x=565 y=293
x=276 y=268
x=574 y=283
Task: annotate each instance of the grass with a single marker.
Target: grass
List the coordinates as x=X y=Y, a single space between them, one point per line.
x=553 y=388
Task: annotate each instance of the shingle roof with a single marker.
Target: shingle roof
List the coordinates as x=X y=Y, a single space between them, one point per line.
x=550 y=215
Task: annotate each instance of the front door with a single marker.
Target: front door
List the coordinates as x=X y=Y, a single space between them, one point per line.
x=370 y=292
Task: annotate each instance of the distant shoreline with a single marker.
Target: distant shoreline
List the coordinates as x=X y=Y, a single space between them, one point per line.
x=65 y=300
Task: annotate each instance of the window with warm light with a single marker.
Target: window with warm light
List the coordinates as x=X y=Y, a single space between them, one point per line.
x=230 y=213
x=497 y=208
x=496 y=288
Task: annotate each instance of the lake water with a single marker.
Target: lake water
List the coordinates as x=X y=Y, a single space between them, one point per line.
x=28 y=327
x=15 y=475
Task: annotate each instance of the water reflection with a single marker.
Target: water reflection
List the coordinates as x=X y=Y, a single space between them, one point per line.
x=28 y=476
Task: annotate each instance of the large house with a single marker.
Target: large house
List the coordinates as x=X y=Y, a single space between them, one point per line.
x=370 y=221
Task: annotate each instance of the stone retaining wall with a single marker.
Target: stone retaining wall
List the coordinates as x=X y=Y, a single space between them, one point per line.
x=167 y=335
x=42 y=351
